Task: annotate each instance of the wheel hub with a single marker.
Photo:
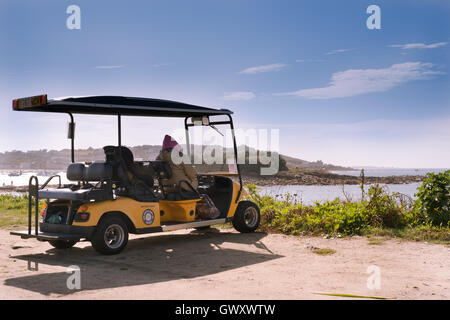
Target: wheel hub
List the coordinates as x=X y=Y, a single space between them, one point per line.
x=251 y=217
x=114 y=236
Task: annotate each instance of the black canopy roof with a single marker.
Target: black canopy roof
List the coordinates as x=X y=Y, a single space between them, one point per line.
x=132 y=106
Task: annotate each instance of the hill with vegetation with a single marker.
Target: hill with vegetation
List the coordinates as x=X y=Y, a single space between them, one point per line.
x=59 y=159
x=294 y=163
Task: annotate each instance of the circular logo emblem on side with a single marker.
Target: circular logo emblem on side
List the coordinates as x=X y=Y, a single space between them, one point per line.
x=148 y=217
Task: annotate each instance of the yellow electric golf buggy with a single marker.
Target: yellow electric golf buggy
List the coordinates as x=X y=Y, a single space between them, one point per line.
x=107 y=200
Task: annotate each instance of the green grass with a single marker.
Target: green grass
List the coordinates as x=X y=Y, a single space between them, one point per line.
x=375 y=241
x=438 y=235
x=324 y=251
x=13 y=211
x=227 y=225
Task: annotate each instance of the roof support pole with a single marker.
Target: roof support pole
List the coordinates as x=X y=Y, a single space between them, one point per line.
x=188 y=146
x=236 y=157
x=72 y=137
x=119 y=125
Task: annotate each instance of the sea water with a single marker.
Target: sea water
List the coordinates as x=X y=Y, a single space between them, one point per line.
x=310 y=194
x=24 y=178
x=386 y=172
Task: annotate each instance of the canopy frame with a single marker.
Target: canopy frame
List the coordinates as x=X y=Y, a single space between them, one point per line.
x=131 y=106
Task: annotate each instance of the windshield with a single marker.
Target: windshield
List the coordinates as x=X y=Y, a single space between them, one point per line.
x=211 y=149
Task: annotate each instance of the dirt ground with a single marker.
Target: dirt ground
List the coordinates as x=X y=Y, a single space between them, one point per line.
x=224 y=264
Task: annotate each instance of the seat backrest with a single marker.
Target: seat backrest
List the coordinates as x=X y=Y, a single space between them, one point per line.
x=114 y=157
x=127 y=157
x=96 y=171
x=110 y=153
x=125 y=170
x=114 y=153
x=162 y=169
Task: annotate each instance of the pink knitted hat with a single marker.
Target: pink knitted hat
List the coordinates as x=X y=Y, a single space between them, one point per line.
x=170 y=143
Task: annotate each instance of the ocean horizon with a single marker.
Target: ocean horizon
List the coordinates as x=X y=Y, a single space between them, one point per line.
x=386 y=172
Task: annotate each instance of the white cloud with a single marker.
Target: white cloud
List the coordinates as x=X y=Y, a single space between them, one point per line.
x=354 y=82
x=338 y=51
x=419 y=45
x=239 y=95
x=264 y=68
x=108 y=67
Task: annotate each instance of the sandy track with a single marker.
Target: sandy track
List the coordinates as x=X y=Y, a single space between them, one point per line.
x=224 y=265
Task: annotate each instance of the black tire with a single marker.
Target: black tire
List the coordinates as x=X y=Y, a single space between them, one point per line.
x=111 y=236
x=63 y=244
x=247 y=217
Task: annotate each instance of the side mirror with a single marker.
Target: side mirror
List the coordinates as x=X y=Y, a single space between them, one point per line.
x=71 y=130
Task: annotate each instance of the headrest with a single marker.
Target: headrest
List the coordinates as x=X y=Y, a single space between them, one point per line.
x=113 y=153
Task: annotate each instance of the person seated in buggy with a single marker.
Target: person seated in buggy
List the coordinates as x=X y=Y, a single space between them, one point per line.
x=183 y=176
x=184 y=180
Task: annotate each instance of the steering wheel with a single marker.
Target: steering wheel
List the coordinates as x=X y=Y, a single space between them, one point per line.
x=181 y=190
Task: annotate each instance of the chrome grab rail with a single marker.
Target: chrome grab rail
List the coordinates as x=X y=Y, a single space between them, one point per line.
x=49 y=179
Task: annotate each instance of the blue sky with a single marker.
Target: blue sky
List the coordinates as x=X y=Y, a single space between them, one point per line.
x=336 y=90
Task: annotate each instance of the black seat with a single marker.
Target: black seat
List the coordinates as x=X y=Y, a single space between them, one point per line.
x=137 y=180
x=98 y=172
x=162 y=169
x=145 y=174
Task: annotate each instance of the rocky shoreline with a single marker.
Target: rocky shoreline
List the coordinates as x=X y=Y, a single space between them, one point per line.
x=18 y=189
x=325 y=178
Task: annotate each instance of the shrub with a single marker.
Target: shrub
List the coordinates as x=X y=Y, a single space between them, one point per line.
x=433 y=198
x=384 y=209
x=290 y=217
x=381 y=209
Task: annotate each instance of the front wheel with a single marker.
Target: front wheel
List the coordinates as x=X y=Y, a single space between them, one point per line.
x=111 y=236
x=247 y=217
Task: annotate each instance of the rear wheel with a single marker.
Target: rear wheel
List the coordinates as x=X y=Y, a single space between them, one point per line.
x=63 y=244
x=247 y=217
x=111 y=236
